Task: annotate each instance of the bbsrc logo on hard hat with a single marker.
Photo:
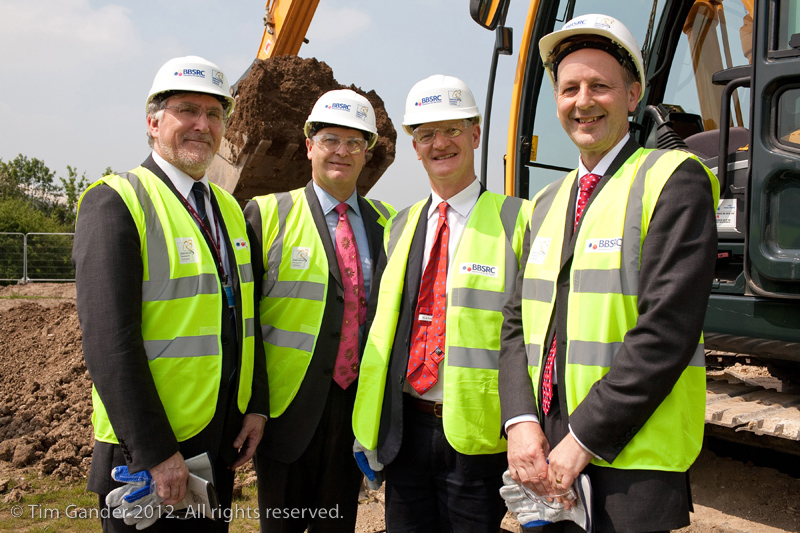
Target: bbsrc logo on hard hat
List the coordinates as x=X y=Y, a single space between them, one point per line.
x=427 y=100
x=193 y=72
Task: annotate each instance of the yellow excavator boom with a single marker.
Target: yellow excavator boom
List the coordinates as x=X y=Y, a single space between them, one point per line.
x=285 y=25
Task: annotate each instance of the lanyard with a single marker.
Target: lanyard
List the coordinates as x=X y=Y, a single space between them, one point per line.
x=211 y=239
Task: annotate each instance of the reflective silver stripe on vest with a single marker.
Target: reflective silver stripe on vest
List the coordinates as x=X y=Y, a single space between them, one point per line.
x=284 y=205
x=398 y=225
x=592 y=353
x=246 y=273
x=538 y=290
x=160 y=287
x=472 y=357
x=478 y=299
x=612 y=281
x=625 y=280
x=699 y=357
x=380 y=208
x=182 y=347
x=305 y=290
x=157 y=254
x=533 y=351
x=171 y=289
x=249 y=327
x=287 y=339
x=509 y=213
x=543 y=204
x=602 y=354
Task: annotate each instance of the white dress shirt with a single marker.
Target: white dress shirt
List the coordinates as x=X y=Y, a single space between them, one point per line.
x=458 y=212
x=600 y=169
x=183 y=184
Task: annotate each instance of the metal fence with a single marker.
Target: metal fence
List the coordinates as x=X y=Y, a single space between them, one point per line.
x=36 y=257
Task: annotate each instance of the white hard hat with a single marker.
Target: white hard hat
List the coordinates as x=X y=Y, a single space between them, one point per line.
x=436 y=98
x=192 y=74
x=602 y=25
x=345 y=108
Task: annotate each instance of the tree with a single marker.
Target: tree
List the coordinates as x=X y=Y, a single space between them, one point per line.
x=31 y=198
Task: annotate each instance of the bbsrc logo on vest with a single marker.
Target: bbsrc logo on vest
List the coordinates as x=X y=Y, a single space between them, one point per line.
x=478 y=270
x=604 y=245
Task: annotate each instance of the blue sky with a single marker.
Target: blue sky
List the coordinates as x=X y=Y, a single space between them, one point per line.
x=77 y=72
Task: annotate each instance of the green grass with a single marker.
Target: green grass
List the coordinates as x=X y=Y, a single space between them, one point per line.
x=52 y=506
x=15 y=296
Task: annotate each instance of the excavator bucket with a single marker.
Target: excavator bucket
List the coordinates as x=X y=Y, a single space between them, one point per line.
x=264 y=149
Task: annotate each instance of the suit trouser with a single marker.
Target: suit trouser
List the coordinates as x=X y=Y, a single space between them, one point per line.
x=624 y=500
x=432 y=488
x=222 y=431
x=319 y=491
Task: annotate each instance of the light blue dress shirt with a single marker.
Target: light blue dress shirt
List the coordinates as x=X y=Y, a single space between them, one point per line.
x=328 y=204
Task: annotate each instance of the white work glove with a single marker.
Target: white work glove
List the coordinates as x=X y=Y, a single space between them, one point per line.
x=367 y=461
x=137 y=502
x=533 y=511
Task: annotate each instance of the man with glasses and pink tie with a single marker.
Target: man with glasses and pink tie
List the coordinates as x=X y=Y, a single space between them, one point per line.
x=427 y=405
x=318 y=249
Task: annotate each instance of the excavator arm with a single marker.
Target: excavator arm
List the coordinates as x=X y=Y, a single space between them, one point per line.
x=285 y=25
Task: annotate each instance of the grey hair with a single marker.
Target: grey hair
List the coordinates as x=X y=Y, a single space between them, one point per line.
x=157 y=105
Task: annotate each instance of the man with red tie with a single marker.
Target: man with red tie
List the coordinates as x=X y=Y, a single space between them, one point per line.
x=318 y=246
x=602 y=364
x=427 y=406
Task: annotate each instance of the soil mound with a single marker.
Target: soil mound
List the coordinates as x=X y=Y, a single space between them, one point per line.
x=264 y=138
x=45 y=391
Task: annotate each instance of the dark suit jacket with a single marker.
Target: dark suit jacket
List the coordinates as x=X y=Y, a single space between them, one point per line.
x=287 y=436
x=677 y=268
x=390 y=436
x=109 y=273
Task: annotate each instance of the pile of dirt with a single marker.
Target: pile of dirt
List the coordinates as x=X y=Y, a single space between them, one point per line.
x=272 y=104
x=45 y=391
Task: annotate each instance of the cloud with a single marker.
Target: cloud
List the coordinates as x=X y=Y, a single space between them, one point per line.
x=337 y=24
x=63 y=33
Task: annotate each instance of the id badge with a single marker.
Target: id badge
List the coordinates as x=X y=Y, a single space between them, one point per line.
x=229 y=294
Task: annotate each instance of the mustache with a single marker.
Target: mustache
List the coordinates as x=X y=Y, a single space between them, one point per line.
x=203 y=137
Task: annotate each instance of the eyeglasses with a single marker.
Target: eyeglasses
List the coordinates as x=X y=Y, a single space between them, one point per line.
x=331 y=143
x=190 y=111
x=450 y=131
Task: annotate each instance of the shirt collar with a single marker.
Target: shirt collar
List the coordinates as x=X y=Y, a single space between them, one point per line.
x=181 y=180
x=602 y=166
x=462 y=203
x=328 y=202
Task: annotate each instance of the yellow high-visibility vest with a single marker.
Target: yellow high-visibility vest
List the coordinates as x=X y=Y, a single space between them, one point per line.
x=294 y=289
x=602 y=302
x=182 y=303
x=485 y=266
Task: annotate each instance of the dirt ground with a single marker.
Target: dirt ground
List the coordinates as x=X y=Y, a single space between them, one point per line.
x=45 y=408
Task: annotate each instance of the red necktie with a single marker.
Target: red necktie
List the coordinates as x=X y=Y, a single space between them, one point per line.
x=345 y=370
x=588 y=183
x=428 y=332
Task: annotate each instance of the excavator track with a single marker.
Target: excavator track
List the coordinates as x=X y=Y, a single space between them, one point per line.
x=752 y=410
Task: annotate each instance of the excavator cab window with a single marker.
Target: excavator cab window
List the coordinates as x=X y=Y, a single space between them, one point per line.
x=715 y=37
x=551 y=153
x=709 y=79
x=789 y=118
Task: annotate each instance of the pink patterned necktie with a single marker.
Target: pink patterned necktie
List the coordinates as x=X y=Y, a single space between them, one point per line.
x=345 y=370
x=588 y=183
x=428 y=332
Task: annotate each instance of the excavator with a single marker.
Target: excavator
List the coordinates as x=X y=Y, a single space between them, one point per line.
x=250 y=162
x=723 y=82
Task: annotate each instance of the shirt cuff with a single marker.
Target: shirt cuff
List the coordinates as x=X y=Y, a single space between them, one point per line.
x=574 y=436
x=522 y=418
